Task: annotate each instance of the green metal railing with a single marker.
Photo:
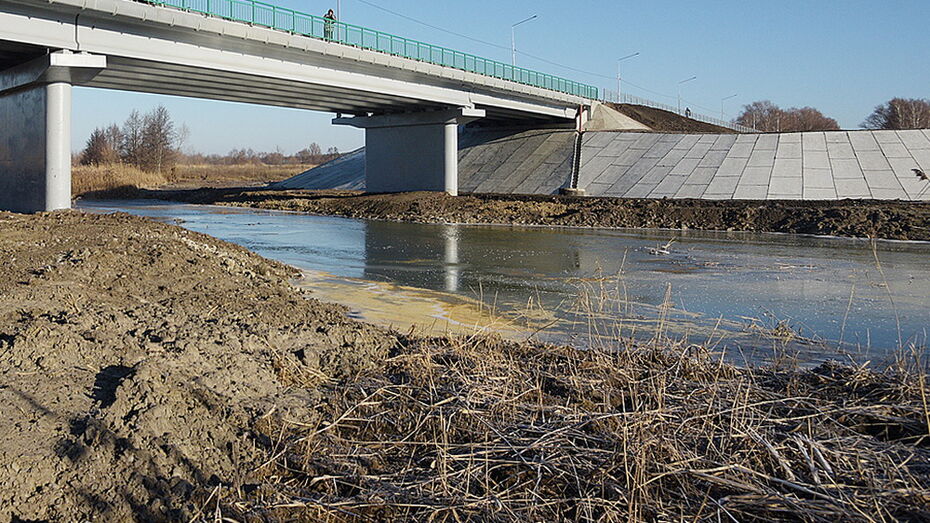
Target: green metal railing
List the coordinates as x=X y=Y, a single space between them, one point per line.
x=267 y=15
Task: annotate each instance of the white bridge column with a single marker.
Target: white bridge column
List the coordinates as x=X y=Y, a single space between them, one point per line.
x=35 y=130
x=412 y=152
x=57 y=146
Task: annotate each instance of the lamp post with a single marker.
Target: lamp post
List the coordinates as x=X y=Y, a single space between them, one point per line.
x=721 y=104
x=618 y=71
x=513 y=38
x=679 y=90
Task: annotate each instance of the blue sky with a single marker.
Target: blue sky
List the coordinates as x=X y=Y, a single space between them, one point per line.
x=843 y=57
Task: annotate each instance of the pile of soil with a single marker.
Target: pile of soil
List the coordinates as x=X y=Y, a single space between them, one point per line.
x=136 y=358
x=851 y=218
x=151 y=373
x=668 y=122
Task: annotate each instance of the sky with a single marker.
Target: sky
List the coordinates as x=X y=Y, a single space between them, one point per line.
x=843 y=57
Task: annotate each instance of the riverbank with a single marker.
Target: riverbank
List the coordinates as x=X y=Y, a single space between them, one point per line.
x=150 y=372
x=896 y=220
x=120 y=177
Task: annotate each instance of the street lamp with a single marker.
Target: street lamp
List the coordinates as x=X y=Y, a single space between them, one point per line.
x=679 y=90
x=721 y=104
x=513 y=38
x=618 y=71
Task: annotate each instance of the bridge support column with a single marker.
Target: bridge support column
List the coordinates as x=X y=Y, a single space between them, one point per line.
x=412 y=152
x=35 y=130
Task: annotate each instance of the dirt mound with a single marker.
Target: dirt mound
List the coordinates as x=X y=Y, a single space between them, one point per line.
x=853 y=218
x=136 y=358
x=668 y=122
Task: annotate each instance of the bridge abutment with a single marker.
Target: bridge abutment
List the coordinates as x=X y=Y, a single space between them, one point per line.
x=413 y=151
x=35 y=130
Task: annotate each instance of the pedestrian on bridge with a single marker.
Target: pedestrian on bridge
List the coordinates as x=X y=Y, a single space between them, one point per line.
x=328 y=24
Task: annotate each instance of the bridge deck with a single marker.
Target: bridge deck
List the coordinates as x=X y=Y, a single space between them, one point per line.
x=283 y=19
x=176 y=51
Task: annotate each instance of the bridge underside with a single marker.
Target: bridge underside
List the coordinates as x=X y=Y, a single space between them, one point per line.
x=13 y=54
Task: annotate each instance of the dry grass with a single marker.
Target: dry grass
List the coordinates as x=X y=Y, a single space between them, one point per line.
x=253 y=173
x=86 y=178
x=482 y=429
x=486 y=430
x=116 y=179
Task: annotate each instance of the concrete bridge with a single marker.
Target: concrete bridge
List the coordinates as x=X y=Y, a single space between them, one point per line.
x=409 y=96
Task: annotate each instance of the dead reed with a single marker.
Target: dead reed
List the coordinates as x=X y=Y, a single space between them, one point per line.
x=482 y=429
x=87 y=178
x=110 y=179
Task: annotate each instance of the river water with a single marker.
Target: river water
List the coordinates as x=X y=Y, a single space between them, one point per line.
x=755 y=295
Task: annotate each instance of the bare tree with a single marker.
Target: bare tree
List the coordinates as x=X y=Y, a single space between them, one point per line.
x=762 y=115
x=807 y=119
x=900 y=113
x=181 y=137
x=275 y=158
x=114 y=136
x=131 y=146
x=99 y=149
x=158 y=140
x=766 y=116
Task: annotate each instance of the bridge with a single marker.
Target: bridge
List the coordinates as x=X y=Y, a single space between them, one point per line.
x=409 y=96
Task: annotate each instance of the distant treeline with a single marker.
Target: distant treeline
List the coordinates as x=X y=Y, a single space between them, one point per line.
x=153 y=142
x=897 y=113
x=311 y=155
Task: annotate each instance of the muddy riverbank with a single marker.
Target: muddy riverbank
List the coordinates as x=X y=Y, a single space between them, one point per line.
x=896 y=220
x=152 y=373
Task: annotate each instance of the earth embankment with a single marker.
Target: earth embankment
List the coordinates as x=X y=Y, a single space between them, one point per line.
x=664 y=121
x=897 y=220
x=136 y=359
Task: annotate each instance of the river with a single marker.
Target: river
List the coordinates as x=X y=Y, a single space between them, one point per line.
x=754 y=295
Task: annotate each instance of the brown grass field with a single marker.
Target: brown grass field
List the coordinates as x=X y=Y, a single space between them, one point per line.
x=88 y=179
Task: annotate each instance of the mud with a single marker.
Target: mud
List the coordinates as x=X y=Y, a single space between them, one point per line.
x=668 y=122
x=896 y=220
x=137 y=360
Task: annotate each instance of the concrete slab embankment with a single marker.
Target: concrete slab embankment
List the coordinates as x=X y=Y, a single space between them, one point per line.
x=515 y=161
x=805 y=166
x=346 y=172
x=791 y=166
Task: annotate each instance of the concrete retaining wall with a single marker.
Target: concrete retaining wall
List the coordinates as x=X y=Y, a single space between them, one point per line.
x=22 y=150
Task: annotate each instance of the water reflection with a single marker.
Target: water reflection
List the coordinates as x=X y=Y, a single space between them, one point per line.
x=748 y=285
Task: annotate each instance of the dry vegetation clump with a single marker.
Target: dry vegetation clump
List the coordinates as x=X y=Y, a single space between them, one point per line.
x=253 y=172
x=119 y=180
x=487 y=430
x=113 y=177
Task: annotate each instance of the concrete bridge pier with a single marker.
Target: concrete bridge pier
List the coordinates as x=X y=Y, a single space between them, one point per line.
x=35 y=130
x=412 y=151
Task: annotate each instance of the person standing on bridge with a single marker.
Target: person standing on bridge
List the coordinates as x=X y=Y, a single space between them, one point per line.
x=328 y=24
